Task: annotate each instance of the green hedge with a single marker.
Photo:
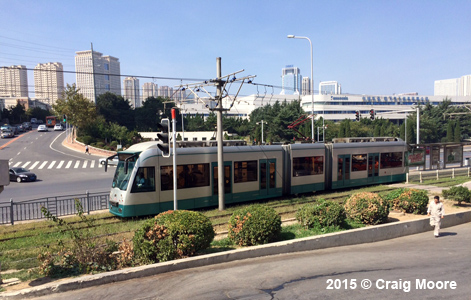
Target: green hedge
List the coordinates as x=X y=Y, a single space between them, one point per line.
x=171 y=235
x=458 y=193
x=409 y=200
x=367 y=208
x=254 y=225
x=323 y=213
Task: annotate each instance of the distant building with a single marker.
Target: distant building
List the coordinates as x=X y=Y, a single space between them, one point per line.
x=165 y=91
x=306 y=88
x=131 y=91
x=290 y=81
x=106 y=71
x=49 y=81
x=13 y=81
x=453 y=87
x=149 y=89
x=330 y=88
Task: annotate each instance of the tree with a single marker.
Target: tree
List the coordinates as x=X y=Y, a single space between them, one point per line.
x=449 y=132
x=115 y=109
x=457 y=132
x=17 y=113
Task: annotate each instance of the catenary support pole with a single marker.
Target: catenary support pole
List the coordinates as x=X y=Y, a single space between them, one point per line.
x=221 y=202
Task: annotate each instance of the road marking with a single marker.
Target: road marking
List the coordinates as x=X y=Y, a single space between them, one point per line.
x=42 y=165
x=60 y=164
x=52 y=164
x=17 y=164
x=34 y=165
x=85 y=164
x=68 y=164
x=92 y=165
x=77 y=164
x=26 y=164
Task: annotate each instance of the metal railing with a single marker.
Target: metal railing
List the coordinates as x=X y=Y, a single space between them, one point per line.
x=58 y=206
x=438 y=174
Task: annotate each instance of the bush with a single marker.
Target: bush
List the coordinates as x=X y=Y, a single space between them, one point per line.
x=86 y=139
x=254 y=225
x=367 y=208
x=409 y=200
x=100 y=144
x=458 y=193
x=172 y=235
x=321 y=214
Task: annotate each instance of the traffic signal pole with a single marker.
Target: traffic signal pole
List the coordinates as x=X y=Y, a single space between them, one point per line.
x=174 y=146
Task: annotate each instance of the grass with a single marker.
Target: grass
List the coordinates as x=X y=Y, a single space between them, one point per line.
x=446 y=182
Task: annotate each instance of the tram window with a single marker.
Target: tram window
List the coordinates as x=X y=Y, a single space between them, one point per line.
x=305 y=166
x=391 y=160
x=144 y=181
x=189 y=176
x=245 y=171
x=359 y=162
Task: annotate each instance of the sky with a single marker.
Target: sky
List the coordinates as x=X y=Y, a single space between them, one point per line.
x=372 y=47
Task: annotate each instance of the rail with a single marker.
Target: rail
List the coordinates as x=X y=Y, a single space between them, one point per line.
x=438 y=174
x=58 y=206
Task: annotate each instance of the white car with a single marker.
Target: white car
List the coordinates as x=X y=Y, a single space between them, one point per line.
x=58 y=127
x=42 y=128
x=111 y=162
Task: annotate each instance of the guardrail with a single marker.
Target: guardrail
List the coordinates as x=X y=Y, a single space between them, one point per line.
x=58 y=206
x=438 y=174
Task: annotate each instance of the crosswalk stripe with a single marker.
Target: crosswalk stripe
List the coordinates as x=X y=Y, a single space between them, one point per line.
x=85 y=162
x=77 y=164
x=34 y=165
x=52 y=164
x=60 y=164
x=68 y=164
x=26 y=164
x=92 y=165
x=17 y=164
x=42 y=165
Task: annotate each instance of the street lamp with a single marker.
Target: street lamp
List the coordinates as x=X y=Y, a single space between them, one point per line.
x=262 y=122
x=312 y=83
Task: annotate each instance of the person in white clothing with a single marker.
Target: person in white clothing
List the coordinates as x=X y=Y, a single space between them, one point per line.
x=436 y=211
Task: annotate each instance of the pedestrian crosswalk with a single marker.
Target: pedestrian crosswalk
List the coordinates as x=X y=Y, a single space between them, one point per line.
x=62 y=164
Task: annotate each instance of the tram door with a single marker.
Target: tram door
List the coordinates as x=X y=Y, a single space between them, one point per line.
x=227 y=181
x=373 y=167
x=267 y=176
x=343 y=170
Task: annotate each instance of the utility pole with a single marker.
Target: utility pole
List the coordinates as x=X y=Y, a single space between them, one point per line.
x=93 y=75
x=418 y=131
x=219 y=137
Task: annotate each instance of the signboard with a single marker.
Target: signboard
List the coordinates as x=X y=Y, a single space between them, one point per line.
x=453 y=154
x=416 y=157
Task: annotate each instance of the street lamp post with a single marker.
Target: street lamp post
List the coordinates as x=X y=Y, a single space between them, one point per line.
x=262 y=122
x=312 y=83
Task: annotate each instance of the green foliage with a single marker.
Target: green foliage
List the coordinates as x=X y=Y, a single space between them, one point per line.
x=87 y=140
x=254 y=225
x=458 y=193
x=367 y=208
x=323 y=213
x=408 y=200
x=172 y=235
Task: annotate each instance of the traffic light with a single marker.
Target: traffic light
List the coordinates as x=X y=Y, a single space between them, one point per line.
x=372 y=114
x=357 y=115
x=64 y=119
x=163 y=136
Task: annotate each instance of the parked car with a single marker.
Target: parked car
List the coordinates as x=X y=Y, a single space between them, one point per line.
x=58 y=127
x=42 y=128
x=111 y=162
x=6 y=133
x=27 y=126
x=34 y=120
x=21 y=174
x=20 y=128
x=5 y=126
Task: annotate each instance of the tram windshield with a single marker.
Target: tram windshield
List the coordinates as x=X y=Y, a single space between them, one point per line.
x=121 y=178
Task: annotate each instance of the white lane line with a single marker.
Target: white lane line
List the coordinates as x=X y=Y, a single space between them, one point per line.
x=60 y=164
x=52 y=164
x=68 y=164
x=42 y=165
x=34 y=165
x=85 y=164
x=17 y=164
x=26 y=164
x=77 y=164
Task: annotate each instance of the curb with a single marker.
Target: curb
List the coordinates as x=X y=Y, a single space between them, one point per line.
x=351 y=237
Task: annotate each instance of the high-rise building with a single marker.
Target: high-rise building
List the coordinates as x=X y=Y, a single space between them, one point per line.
x=131 y=91
x=453 y=87
x=165 y=91
x=330 y=88
x=49 y=82
x=290 y=81
x=306 y=86
x=13 y=81
x=97 y=76
x=149 y=89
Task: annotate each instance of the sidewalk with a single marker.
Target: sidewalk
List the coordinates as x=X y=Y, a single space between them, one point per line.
x=80 y=147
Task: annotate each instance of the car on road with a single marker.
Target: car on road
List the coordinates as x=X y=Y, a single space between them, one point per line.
x=21 y=174
x=34 y=120
x=111 y=162
x=42 y=128
x=27 y=126
x=6 y=133
x=58 y=127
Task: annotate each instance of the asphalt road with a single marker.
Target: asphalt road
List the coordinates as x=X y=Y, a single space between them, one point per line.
x=417 y=267
x=60 y=171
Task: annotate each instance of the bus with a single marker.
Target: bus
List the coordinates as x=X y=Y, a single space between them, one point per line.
x=51 y=121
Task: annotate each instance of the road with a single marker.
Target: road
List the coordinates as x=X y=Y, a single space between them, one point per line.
x=60 y=171
x=417 y=267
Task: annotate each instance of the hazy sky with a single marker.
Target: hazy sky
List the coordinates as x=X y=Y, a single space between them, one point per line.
x=369 y=47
